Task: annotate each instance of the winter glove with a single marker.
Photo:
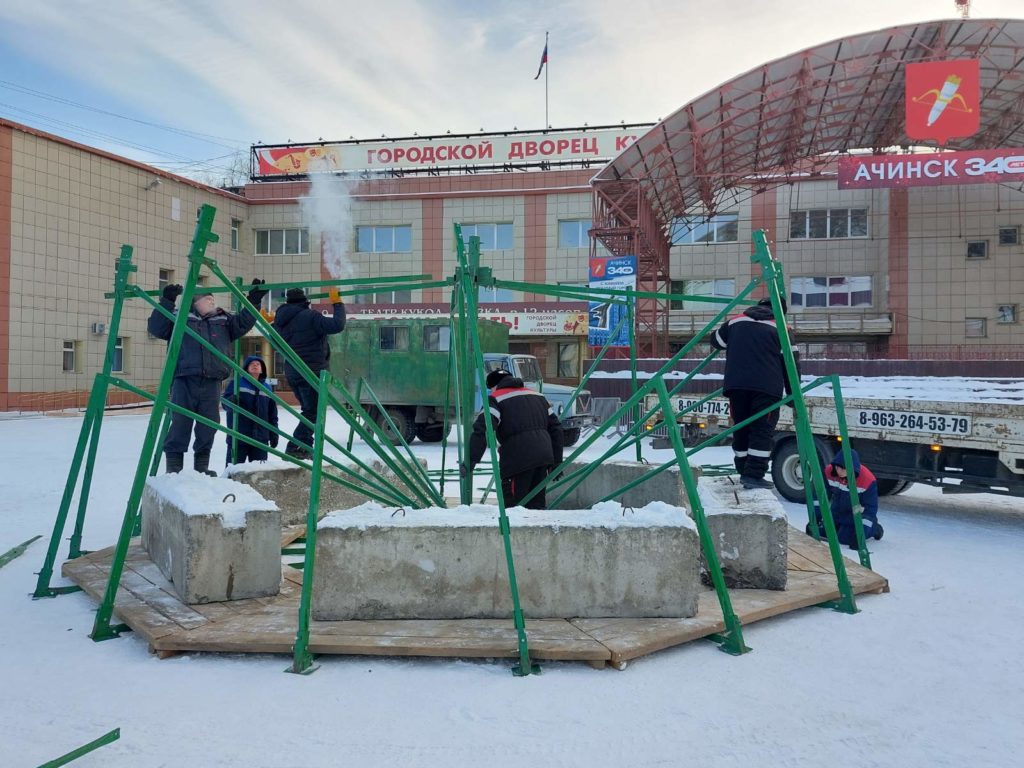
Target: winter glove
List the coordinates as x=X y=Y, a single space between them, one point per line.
x=256 y=293
x=172 y=292
x=464 y=471
x=273 y=439
x=334 y=295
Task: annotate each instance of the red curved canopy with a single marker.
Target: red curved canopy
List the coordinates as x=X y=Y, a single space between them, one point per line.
x=796 y=113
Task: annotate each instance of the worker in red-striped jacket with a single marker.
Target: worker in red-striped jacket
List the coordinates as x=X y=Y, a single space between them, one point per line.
x=529 y=436
x=841 y=503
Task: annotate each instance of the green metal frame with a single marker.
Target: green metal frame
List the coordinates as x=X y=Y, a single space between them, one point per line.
x=467 y=369
x=107 y=738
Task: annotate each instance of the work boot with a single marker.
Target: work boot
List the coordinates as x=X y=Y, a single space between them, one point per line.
x=879 y=531
x=173 y=463
x=754 y=482
x=201 y=463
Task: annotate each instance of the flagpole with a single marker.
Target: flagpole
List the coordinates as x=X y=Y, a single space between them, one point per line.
x=547 y=66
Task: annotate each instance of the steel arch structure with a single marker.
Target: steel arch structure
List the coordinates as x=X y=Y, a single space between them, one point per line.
x=786 y=119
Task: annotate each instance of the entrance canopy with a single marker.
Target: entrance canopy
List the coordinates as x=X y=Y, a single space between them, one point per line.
x=794 y=115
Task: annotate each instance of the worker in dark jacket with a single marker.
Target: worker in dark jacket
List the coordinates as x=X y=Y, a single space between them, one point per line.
x=251 y=399
x=755 y=377
x=529 y=434
x=199 y=373
x=306 y=332
x=841 y=503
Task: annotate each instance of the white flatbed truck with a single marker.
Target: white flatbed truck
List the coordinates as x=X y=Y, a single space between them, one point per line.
x=961 y=447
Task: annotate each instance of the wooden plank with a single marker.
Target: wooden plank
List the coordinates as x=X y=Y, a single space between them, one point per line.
x=167 y=604
x=268 y=625
x=148 y=623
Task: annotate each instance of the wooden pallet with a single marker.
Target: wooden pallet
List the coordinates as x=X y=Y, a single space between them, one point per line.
x=148 y=604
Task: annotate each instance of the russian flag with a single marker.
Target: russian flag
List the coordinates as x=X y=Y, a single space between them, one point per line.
x=543 y=60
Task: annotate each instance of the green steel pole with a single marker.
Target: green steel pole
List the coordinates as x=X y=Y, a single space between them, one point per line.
x=358 y=398
x=730 y=641
x=632 y=368
x=89 y=435
x=525 y=666
x=302 y=662
x=851 y=476
x=107 y=738
x=122 y=273
x=774 y=281
x=204 y=235
x=17 y=551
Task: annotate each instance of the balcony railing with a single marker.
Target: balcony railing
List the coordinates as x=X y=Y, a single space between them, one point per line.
x=804 y=323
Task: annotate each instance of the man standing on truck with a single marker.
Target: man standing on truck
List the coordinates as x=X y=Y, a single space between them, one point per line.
x=529 y=434
x=755 y=378
x=306 y=332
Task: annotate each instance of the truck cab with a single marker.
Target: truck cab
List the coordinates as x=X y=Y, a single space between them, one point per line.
x=526 y=367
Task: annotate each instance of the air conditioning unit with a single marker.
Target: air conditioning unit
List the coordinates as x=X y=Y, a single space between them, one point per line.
x=99 y=328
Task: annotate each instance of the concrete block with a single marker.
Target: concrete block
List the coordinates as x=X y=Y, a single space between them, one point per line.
x=450 y=563
x=214 y=539
x=288 y=486
x=666 y=486
x=750 y=532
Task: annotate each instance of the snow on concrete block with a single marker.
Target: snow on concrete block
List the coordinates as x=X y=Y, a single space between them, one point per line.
x=288 y=486
x=750 y=532
x=450 y=563
x=213 y=538
x=666 y=486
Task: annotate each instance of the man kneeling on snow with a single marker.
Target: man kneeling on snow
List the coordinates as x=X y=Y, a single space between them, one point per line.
x=842 y=505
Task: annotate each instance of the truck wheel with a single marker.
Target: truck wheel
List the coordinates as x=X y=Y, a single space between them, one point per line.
x=570 y=436
x=890 y=486
x=432 y=433
x=787 y=473
x=403 y=423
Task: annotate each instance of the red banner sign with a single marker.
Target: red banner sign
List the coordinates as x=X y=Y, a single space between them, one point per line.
x=942 y=99
x=983 y=166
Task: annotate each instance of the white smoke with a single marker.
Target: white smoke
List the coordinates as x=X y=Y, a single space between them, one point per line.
x=327 y=210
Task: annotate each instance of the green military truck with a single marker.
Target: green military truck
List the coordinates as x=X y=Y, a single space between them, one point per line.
x=405 y=362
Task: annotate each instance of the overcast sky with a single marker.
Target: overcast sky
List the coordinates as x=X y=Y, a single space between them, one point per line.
x=109 y=73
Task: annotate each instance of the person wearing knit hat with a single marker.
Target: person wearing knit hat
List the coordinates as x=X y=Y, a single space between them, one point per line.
x=306 y=331
x=198 y=375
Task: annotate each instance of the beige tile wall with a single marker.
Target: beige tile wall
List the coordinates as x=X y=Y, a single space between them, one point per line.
x=71 y=212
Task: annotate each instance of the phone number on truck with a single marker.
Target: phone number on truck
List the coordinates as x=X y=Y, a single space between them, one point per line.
x=909 y=421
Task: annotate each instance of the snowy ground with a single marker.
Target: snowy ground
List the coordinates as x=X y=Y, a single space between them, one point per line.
x=929 y=675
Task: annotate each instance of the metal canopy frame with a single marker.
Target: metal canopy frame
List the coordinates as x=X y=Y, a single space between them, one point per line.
x=786 y=120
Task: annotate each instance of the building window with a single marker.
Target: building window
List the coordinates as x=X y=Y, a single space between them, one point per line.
x=689 y=230
x=495 y=296
x=830 y=292
x=975 y=327
x=70 y=356
x=828 y=223
x=282 y=242
x=403 y=296
x=568 y=360
x=384 y=239
x=1007 y=313
x=117 y=365
x=437 y=338
x=394 y=338
x=166 y=277
x=574 y=233
x=235 y=226
x=1009 y=235
x=493 y=237
x=977 y=249
x=721 y=287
